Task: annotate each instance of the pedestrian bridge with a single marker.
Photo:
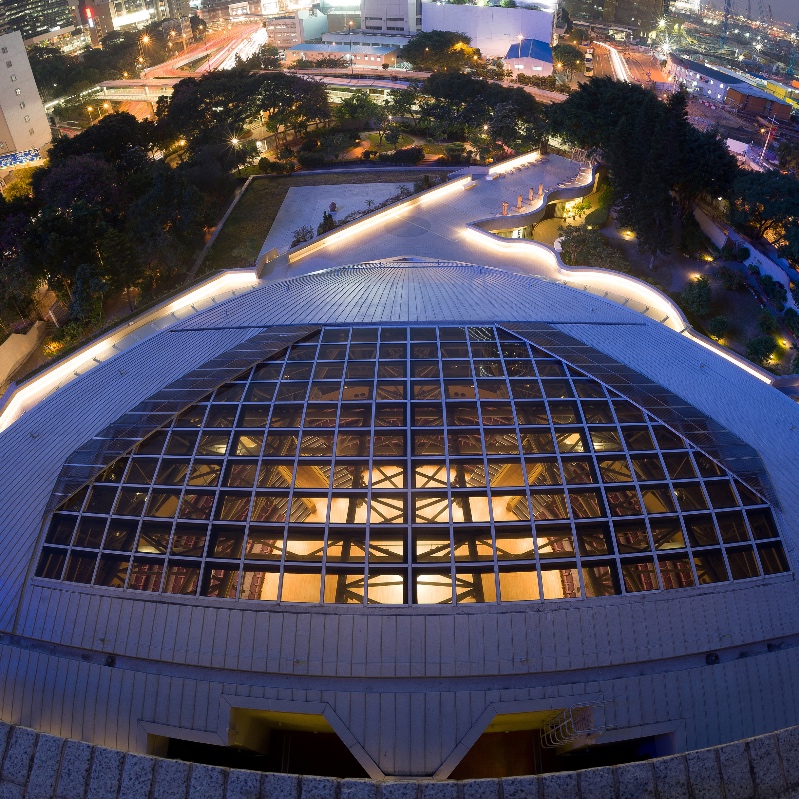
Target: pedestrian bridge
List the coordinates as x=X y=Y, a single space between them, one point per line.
x=147 y=91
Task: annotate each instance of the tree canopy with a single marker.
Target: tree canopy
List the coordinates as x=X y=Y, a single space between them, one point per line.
x=568 y=56
x=659 y=163
x=58 y=74
x=440 y=50
x=215 y=108
x=482 y=112
x=766 y=204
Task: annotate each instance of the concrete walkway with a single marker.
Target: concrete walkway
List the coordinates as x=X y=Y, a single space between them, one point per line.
x=438 y=229
x=305 y=205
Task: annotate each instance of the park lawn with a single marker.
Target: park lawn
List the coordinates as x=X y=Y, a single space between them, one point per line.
x=435 y=148
x=373 y=138
x=240 y=240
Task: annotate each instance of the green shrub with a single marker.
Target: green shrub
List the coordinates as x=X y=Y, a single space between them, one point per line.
x=301 y=235
x=692 y=239
x=791 y=319
x=760 y=349
x=717 y=327
x=310 y=144
x=327 y=224
x=309 y=160
x=697 y=297
x=408 y=155
x=767 y=322
x=731 y=279
x=267 y=167
x=775 y=292
x=731 y=252
x=583 y=247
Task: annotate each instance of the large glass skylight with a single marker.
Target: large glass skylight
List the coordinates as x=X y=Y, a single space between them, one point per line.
x=423 y=465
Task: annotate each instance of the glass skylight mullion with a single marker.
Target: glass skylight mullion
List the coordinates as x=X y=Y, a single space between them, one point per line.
x=644 y=514
x=366 y=568
x=658 y=454
x=259 y=465
x=612 y=557
x=528 y=489
x=525 y=487
x=448 y=455
x=522 y=454
x=323 y=560
x=406 y=459
x=202 y=559
x=542 y=382
x=296 y=463
x=566 y=485
x=149 y=491
x=219 y=487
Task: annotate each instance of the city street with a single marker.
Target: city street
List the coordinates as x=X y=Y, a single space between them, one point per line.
x=643 y=67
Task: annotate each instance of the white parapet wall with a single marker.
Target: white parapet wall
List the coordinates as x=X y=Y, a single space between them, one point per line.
x=17 y=348
x=492 y=29
x=195 y=299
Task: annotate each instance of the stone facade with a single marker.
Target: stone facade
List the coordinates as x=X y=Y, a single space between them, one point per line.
x=38 y=766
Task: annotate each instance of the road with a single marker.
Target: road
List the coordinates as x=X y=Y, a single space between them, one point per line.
x=220 y=48
x=602 y=67
x=643 y=68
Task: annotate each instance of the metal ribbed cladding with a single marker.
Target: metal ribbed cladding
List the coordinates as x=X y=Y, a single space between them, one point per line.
x=697 y=427
x=158 y=410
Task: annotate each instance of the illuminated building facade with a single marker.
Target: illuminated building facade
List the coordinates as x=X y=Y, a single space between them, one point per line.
x=23 y=122
x=35 y=19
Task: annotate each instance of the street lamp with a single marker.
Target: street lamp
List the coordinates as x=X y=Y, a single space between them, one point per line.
x=90 y=108
x=142 y=41
x=235 y=142
x=350 y=25
x=106 y=107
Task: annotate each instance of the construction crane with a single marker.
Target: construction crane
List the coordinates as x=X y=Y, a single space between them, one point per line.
x=727 y=13
x=794 y=36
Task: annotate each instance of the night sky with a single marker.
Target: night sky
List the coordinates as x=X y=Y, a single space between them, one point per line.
x=784 y=10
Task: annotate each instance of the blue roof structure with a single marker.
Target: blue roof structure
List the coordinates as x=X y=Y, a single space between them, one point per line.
x=19 y=158
x=531 y=48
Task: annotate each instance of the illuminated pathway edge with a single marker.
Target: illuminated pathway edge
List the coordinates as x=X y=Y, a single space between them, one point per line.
x=451 y=222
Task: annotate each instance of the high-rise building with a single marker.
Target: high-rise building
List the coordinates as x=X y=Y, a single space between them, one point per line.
x=404 y=16
x=36 y=19
x=295 y=27
x=23 y=122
